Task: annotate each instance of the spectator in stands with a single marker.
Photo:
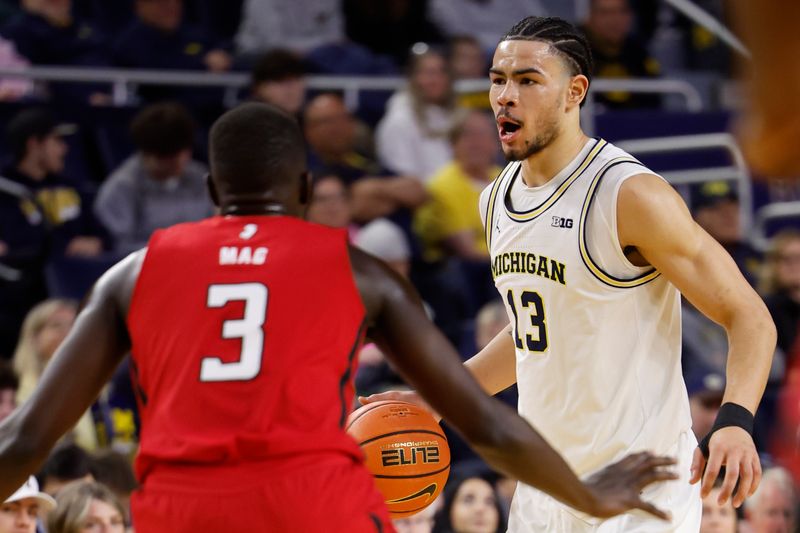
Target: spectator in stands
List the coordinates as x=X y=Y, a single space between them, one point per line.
x=773 y=506
x=485 y=19
x=470 y=506
x=780 y=286
x=450 y=224
x=113 y=470
x=705 y=389
x=9 y=383
x=160 y=185
x=330 y=130
x=12 y=89
x=159 y=38
x=330 y=203
x=715 y=206
x=386 y=241
x=298 y=26
x=389 y=27
x=67 y=463
x=422 y=522
x=19 y=513
x=412 y=137
x=278 y=78
x=718 y=518
x=46 y=33
x=43 y=331
x=87 y=506
x=468 y=61
x=39 y=151
x=618 y=53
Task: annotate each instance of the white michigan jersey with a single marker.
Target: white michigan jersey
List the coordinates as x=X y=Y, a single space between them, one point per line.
x=598 y=339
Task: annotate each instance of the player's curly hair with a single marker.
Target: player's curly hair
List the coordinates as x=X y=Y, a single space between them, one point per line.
x=570 y=42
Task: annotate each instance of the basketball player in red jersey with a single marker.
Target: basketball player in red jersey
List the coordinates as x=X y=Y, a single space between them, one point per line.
x=243 y=330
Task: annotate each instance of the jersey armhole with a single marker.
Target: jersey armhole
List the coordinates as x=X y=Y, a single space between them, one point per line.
x=614 y=269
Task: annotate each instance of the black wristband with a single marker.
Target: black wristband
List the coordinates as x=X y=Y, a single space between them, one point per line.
x=730 y=414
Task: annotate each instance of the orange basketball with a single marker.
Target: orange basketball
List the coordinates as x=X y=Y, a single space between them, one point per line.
x=405 y=450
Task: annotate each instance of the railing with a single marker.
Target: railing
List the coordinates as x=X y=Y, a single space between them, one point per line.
x=767 y=214
x=738 y=171
x=124 y=81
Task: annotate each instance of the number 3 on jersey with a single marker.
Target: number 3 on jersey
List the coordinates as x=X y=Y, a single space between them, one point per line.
x=249 y=329
x=536 y=341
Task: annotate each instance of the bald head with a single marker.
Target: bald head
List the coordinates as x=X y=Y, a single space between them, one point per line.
x=329 y=127
x=255 y=149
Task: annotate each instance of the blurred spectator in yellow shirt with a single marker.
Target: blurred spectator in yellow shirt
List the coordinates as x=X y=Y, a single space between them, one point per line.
x=450 y=224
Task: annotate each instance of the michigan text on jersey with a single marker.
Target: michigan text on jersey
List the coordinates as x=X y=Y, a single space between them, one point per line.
x=528 y=263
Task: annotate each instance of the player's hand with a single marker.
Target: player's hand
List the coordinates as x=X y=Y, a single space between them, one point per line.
x=733 y=448
x=409 y=396
x=617 y=488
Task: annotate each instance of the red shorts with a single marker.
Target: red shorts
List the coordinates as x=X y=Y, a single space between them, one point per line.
x=330 y=495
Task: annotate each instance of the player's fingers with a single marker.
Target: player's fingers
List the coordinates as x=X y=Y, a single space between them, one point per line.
x=698 y=462
x=652 y=509
x=731 y=476
x=655 y=461
x=655 y=476
x=745 y=482
x=712 y=471
x=756 y=462
x=380 y=396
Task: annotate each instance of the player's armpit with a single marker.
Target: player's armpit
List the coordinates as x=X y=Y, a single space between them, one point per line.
x=653 y=218
x=80 y=368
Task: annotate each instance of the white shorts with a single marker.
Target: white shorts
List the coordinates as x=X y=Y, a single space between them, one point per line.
x=534 y=511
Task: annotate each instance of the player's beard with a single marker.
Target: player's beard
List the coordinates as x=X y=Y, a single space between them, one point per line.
x=547 y=134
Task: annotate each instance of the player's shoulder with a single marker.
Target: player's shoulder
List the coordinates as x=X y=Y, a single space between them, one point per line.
x=616 y=164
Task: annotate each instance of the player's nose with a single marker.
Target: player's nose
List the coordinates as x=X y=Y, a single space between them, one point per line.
x=508 y=96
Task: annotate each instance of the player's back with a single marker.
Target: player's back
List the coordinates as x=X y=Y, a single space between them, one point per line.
x=244 y=331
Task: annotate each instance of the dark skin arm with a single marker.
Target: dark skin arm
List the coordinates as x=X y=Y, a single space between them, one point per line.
x=80 y=368
x=425 y=358
x=99 y=340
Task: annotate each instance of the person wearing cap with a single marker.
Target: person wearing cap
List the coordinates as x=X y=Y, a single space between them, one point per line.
x=715 y=207
x=39 y=152
x=279 y=78
x=705 y=389
x=20 y=512
x=42 y=216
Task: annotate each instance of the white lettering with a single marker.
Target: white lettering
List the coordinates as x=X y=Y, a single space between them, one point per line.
x=260 y=255
x=245 y=256
x=227 y=255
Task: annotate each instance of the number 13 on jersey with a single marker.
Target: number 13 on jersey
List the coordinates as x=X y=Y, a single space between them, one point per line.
x=531 y=313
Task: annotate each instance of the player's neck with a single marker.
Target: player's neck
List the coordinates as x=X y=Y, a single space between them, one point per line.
x=543 y=166
x=242 y=207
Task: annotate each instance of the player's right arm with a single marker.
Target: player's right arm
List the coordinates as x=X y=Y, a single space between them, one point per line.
x=427 y=361
x=80 y=368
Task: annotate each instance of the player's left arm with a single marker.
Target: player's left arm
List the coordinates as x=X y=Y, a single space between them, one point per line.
x=653 y=218
x=80 y=368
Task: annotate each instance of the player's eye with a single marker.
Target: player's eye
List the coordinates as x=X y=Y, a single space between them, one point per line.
x=527 y=81
x=498 y=81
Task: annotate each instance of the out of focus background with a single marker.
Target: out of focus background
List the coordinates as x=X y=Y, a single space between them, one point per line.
x=105 y=108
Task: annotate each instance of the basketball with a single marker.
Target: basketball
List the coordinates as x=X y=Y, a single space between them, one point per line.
x=405 y=450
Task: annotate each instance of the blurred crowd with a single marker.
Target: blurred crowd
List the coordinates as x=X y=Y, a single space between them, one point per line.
x=84 y=183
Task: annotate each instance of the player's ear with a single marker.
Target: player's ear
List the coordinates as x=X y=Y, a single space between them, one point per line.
x=305 y=187
x=212 y=190
x=576 y=92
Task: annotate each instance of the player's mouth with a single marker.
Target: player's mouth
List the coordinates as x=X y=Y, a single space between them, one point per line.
x=508 y=128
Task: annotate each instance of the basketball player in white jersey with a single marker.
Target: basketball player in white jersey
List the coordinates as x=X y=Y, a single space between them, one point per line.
x=589 y=251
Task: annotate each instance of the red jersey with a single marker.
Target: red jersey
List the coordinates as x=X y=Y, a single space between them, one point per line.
x=244 y=333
